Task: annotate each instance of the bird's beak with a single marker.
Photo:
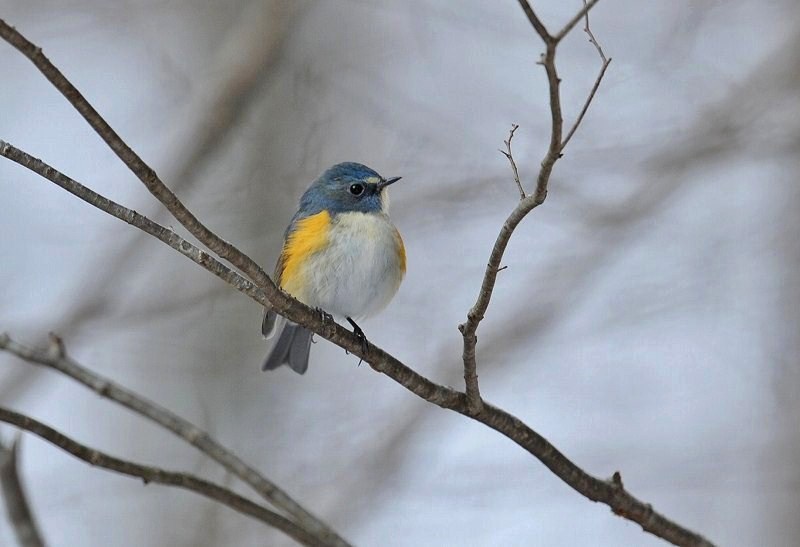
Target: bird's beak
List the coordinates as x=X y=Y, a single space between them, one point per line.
x=386 y=182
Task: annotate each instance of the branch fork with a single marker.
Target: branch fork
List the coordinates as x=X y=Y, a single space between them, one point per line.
x=527 y=202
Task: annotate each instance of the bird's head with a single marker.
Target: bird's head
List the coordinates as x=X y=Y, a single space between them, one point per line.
x=348 y=187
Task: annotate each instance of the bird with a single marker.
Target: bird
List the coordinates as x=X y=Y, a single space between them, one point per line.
x=341 y=254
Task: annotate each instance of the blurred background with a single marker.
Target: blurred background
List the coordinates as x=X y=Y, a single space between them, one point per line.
x=647 y=321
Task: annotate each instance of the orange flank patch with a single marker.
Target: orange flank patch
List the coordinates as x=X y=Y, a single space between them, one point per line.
x=309 y=236
x=401 y=250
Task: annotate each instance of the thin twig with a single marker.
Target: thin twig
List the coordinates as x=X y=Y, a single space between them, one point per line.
x=507 y=153
x=586 y=104
x=620 y=501
x=587 y=6
x=19 y=511
x=160 y=476
x=56 y=358
x=587 y=29
x=605 y=62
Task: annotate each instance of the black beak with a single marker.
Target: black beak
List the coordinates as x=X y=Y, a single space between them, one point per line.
x=386 y=182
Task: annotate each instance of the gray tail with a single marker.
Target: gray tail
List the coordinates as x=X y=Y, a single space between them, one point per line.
x=292 y=348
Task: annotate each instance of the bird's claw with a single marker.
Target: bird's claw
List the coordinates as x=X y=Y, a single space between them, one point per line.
x=325 y=317
x=361 y=336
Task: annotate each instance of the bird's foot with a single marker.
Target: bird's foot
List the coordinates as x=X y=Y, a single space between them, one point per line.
x=360 y=335
x=325 y=316
x=326 y=319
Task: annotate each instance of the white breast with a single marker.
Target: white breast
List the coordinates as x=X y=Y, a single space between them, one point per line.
x=359 y=271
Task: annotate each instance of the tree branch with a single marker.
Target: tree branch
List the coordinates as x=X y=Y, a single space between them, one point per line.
x=587 y=485
x=529 y=203
x=508 y=154
x=19 y=511
x=587 y=6
x=526 y=205
x=57 y=359
x=153 y=474
x=588 y=31
x=163 y=234
x=620 y=501
x=534 y=20
x=131 y=159
x=610 y=493
x=603 y=67
x=280 y=301
x=297 y=311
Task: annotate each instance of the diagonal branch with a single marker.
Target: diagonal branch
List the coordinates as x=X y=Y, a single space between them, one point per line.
x=280 y=301
x=534 y=20
x=542 y=31
x=136 y=164
x=588 y=31
x=587 y=6
x=609 y=492
x=153 y=474
x=585 y=108
x=603 y=67
x=19 y=511
x=57 y=359
x=163 y=234
x=296 y=311
x=510 y=156
x=620 y=501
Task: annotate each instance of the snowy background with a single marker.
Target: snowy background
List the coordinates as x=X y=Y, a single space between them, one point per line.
x=647 y=321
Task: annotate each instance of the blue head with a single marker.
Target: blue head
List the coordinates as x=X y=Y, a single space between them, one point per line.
x=346 y=187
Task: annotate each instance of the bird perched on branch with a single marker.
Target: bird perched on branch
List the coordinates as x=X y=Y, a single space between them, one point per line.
x=341 y=253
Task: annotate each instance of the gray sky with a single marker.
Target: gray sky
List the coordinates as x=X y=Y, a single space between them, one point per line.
x=647 y=321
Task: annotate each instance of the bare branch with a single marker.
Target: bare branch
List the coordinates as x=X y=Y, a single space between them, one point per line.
x=476 y=313
x=587 y=6
x=587 y=485
x=137 y=166
x=579 y=119
x=535 y=21
x=473 y=392
x=296 y=311
x=592 y=39
x=604 y=66
x=526 y=205
x=280 y=301
x=542 y=31
x=610 y=493
x=153 y=474
x=56 y=358
x=133 y=218
x=507 y=153
x=19 y=511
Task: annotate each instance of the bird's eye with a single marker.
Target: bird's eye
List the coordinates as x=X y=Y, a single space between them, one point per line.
x=357 y=189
